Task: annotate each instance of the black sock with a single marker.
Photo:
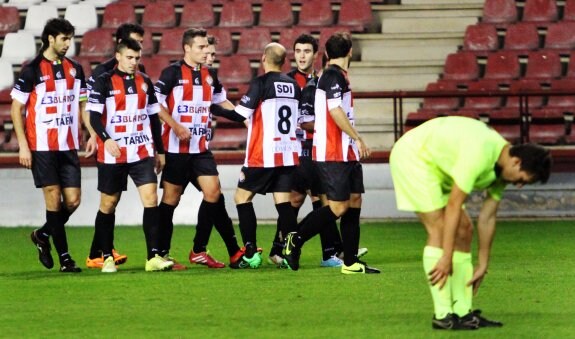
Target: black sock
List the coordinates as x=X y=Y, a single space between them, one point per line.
x=316 y=221
x=101 y=244
x=350 y=235
x=58 y=232
x=287 y=218
x=248 y=223
x=151 y=230
x=327 y=238
x=224 y=225
x=65 y=215
x=166 y=227
x=203 y=228
x=277 y=244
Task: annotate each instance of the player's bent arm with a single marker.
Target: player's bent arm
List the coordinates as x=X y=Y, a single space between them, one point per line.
x=24 y=150
x=230 y=114
x=91 y=144
x=486 y=230
x=181 y=131
x=340 y=118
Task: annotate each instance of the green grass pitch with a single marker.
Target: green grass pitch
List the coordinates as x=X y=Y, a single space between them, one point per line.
x=529 y=287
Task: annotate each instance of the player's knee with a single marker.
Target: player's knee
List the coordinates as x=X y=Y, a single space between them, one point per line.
x=171 y=199
x=212 y=195
x=73 y=203
x=339 y=208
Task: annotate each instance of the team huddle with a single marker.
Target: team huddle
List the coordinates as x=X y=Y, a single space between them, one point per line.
x=301 y=141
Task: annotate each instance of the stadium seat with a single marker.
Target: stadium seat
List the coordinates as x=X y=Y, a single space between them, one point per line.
x=237 y=14
x=6 y=81
x=541 y=11
x=511 y=132
x=156 y=63
x=521 y=36
x=61 y=3
x=148 y=44
x=546 y=131
x=461 y=66
x=229 y=138
x=36 y=18
x=86 y=64
x=22 y=4
x=99 y=3
x=198 y=14
x=253 y=41
x=355 y=14
x=98 y=43
x=224 y=40
x=484 y=103
x=276 y=14
x=571 y=66
x=10 y=21
x=503 y=66
x=18 y=47
x=524 y=85
x=567 y=101
x=83 y=16
x=569 y=10
x=480 y=39
x=543 y=65
x=118 y=13
x=415 y=119
x=234 y=70
x=560 y=36
x=316 y=13
x=159 y=16
x=171 y=42
x=499 y=12
x=441 y=103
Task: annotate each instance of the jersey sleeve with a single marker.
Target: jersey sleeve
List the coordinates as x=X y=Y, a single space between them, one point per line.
x=165 y=84
x=333 y=83
x=306 y=104
x=97 y=96
x=250 y=100
x=23 y=86
x=80 y=75
x=153 y=105
x=496 y=190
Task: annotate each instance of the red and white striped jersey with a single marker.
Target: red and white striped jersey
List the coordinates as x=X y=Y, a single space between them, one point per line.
x=125 y=102
x=187 y=93
x=271 y=107
x=51 y=92
x=303 y=80
x=330 y=143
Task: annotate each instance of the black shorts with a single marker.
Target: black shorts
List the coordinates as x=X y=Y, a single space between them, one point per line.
x=113 y=178
x=266 y=180
x=56 y=168
x=182 y=169
x=306 y=178
x=340 y=179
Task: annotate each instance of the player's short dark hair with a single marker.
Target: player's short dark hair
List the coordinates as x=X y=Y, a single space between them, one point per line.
x=338 y=45
x=535 y=160
x=123 y=32
x=212 y=40
x=54 y=27
x=307 y=39
x=128 y=43
x=191 y=33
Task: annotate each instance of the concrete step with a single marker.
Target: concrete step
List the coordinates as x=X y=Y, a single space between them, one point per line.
x=380 y=111
x=371 y=78
x=437 y=24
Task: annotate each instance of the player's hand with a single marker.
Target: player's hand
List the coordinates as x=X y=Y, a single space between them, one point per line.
x=112 y=148
x=477 y=279
x=160 y=163
x=182 y=132
x=91 y=147
x=442 y=270
x=25 y=156
x=364 y=151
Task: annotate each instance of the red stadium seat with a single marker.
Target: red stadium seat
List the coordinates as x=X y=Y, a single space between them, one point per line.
x=229 y=138
x=237 y=14
x=540 y=11
x=560 y=36
x=355 y=14
x=571 y=66
x=414 y=119
x=159 y=16
x=171 y=42
x=486 y=103
x=461 y=66
x=316 y=13
x=441 y=103
x=521 y=36
x=234 y=70
x=224 y=40
x=569 y=10
x=276 y=14
x=155 y=65
x=198 y=14
x=523 y=85
x=567 y=101
x=480 y=39
x=118 y=13
x=511 y=132
x=10 y=21
x=543 y=65
x=148 y=44
x=502 y=66
x=499 y=12
x=253 y=41
x=98 y=43
x=545 y=129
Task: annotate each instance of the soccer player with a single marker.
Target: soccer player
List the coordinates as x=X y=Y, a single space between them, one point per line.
x=271 y=109
x=52 y=91
x=187 y=89
x=123 y=113
x=434 y=168
x=337 y=150
x=125 y=31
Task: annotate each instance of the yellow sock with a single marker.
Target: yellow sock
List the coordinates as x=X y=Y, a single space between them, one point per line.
x=461 y=294
x=441 y=297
